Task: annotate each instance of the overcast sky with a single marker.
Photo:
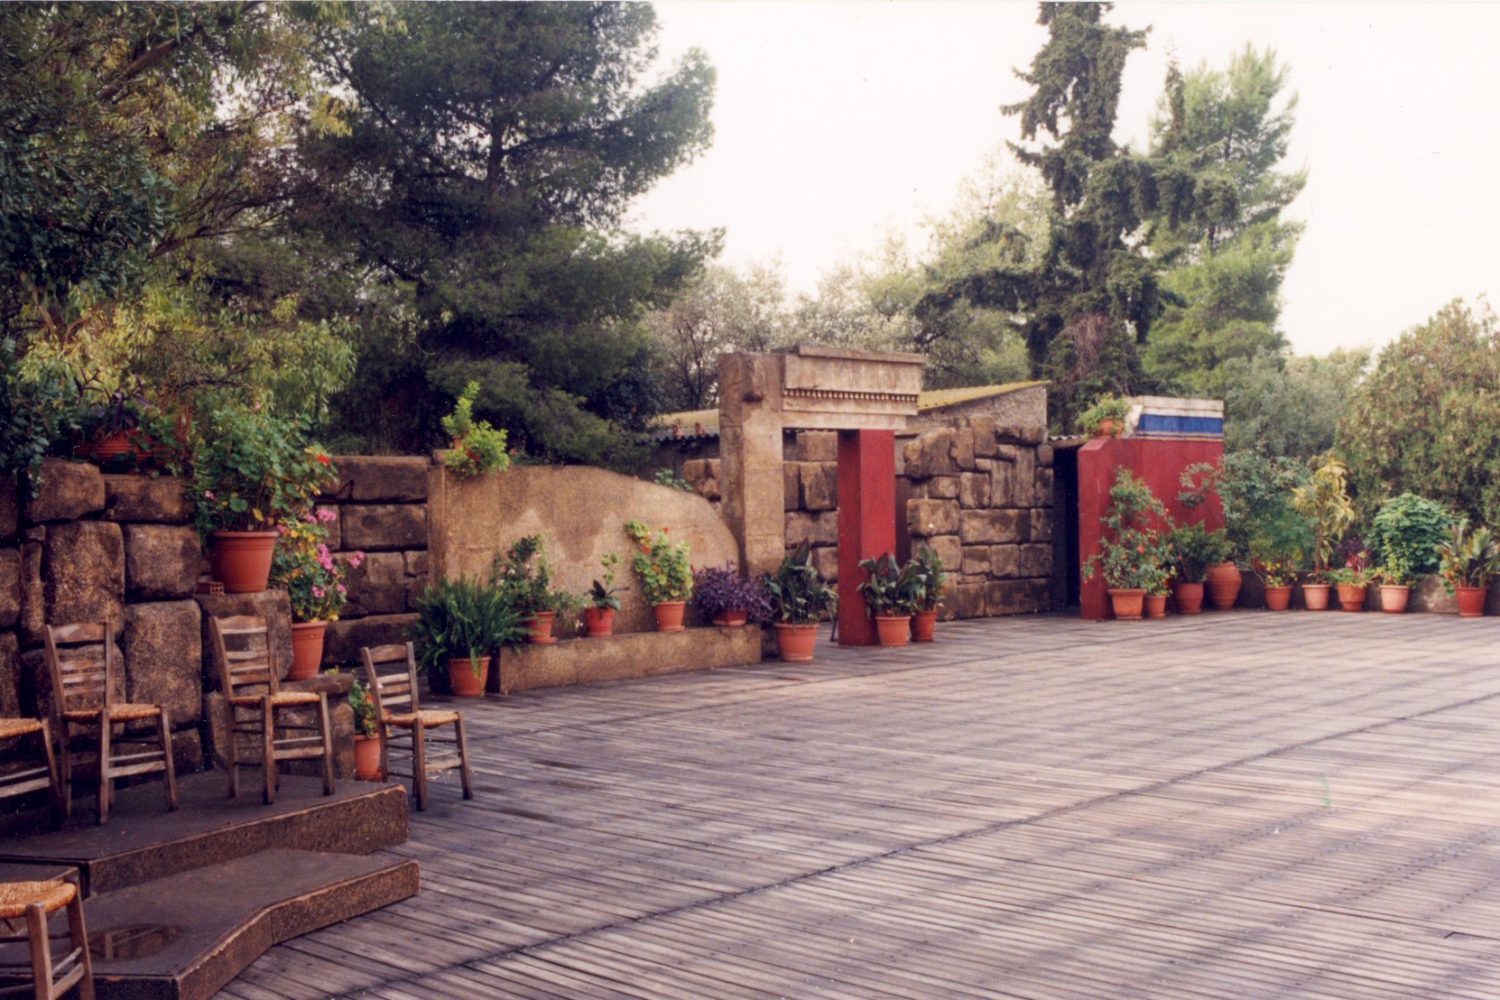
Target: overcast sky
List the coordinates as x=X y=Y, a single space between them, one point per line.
x=837 y=122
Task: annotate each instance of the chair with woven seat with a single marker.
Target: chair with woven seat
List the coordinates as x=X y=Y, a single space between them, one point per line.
x=252 y=699
x=85 y=665
x=391 y=676
x=50 y=975
x=41 y=773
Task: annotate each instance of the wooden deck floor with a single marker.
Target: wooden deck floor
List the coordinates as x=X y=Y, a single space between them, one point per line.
x=1240 y=804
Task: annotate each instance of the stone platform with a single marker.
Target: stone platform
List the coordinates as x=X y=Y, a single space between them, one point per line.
x=624 y=657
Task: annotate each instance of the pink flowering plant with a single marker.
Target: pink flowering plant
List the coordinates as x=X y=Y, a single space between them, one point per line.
x=315 y=581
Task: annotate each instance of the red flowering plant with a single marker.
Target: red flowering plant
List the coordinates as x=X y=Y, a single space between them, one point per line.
x=316 y=583
x=253 y=470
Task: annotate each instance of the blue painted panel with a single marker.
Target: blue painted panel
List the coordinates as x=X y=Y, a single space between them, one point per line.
x=1164 y=423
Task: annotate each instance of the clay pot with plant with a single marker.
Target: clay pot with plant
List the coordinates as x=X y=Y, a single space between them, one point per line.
x=460 y=625
x=315 y=581
x=474 y=447
x=600 y=602
x=930 y=578
x=1351 y=580
x=1193 y=549
x=112 y=426
x=1132 y=552
x=722 y=596
x=1469 y=558
x=1324 y=501
x=1105 y=417
x=800 y=599
x=665 y=574
x=525 y=578
x=891 y=592
x=1251 y=488
x=1406 y=536
x=1278 y=552
x=366 y=734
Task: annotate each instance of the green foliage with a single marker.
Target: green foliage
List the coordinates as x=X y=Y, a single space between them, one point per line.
x=1427 y=420
x=662 y=567
x=476 y=447
x=364 y=710
x=1193 y=549
x=1324 y=501
x=890 y=588
x=34 y=412
x=1132 y=551
x=670 y=479
x=1255 y=490
x=303 y=566
x=252 y=470
x=1406 y=536
x=1279 y=545
x=1470 y=557
x=602 y=592
x=463 y=618
x=1091 y=420
x=525 y=579
x=1288 y=406
x=931 y=577
x=798 y=594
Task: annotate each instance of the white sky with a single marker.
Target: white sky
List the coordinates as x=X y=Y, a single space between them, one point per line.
x=839 y=121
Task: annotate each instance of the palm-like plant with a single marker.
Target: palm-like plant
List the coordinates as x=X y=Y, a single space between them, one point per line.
x=1470 y=557
x=798 y=594
x=890 y=588
x=464 y=618
x=1324 y=501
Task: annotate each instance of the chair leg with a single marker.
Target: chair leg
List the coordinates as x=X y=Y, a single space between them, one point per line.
x=231 y=755
x=59 y=805
x=419 y=763
x=105 y=725
x=326 y=731
x=65 y=768
x=41 y=949
x=268 y=750
x=165 y=731
x=385 y=751
x=463 y=757
x=78 y=937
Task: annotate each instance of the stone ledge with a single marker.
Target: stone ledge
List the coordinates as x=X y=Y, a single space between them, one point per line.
x=624 y=657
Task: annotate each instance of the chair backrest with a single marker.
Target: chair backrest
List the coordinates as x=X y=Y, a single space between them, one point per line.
x=83 y=662
x=246 y=654
x=391 y=676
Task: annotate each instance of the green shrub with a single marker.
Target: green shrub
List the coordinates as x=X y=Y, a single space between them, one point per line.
x=799 y=596
x=477 y=447
x=463 y=618
x=1132 y=553
x=1406 y=535
x=1193 y=549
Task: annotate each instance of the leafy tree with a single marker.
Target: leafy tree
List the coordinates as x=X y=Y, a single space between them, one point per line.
x=1427 y=420
x=1217 y=141
x=491 y=152
x=1288 y=406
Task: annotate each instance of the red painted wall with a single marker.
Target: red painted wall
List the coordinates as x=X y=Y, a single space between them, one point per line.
x=1159 y=463
x=867 y=522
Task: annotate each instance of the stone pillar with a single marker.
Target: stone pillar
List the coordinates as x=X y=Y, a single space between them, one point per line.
x=751 y=474
x=867 y=522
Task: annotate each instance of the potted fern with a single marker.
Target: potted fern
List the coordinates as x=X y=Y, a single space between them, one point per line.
x=1469 y=560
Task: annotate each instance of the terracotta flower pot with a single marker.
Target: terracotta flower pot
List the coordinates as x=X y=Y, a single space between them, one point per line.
x=1223 y=582
x=367 y=758
x=307 y=649
x=1189 y=598
x=1352 y=596
x=1128 y=605
x=923 y=626
x=464 y=679
x=539 y=628
x=1279 y=598
x=669 y=615
x=1471 y=601
x=1393 y=598
x=599 y=622
x=732 y=618
x=796 y=642
x=1315 y=596
x=1110 y=427
x=241 y=560
x=1155 y=605
x=893 y=630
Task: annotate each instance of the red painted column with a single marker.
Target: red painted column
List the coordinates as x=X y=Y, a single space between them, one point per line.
x=867 y=522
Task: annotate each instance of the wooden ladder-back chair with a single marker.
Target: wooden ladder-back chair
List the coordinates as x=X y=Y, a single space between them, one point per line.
x=46 y=975
x=41 y=773
x=391 y=676
x=84 y=664
x=253 y=696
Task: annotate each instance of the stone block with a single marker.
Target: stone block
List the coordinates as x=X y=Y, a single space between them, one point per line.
x=187 y=750
x=985 y=441
x=143 y=499
x=948 y=548
x=10 y=509
x=1005 y=561
x=1036 y=560
x=968 y=600
x=943 y=488
x=377 y=585
x=33 y=604
x=1006 y=452
x=1023 y=434
x=825 y=560
x=1042 y=495
x=10 y=587
x=161 y=561
x=709 y=489
x=1023 y=479
x=163 y=655
x=1013 y=597
x=1044 y=455
x=347 y=635
x=820 y=489
x=67 y=490
x=963 y=448
x=974 y=490
x=1041 y=525
x=417 y=576
x=925 y=518
x=995 y=526
x=817 y=528
x=83 y=573
x=976 y=560
x=1002 y=488
x=376 y=478
x=378 y=527
x=791 y=491
x=272 y=605
x=930 y=454
x=817 y=446
x=10 y=675
x=694 y=471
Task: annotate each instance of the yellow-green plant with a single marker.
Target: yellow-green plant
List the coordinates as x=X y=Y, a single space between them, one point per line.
x=1324 y=501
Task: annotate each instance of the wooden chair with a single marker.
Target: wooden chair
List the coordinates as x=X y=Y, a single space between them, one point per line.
x=253 y=696
x=43 y=773
x=401 y=718
x=50 y=975
x=84 y=665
